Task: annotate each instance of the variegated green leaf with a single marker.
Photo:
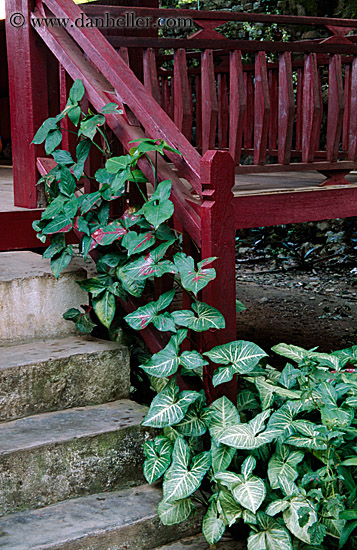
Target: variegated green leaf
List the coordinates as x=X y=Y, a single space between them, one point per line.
x=248 y=436
x=274 y=538
x=135 y=243
x=149 y=313
x=158 y=458
x=250 y=493
x=222 y=456
x=212 y=526
x=171 y=513
x=194 y=280
x=229 y=508
x=166 y=361
x=248 y=466
x=291 y=518
x=247 y=400
x=277 y=507
x=182 y=478
x=240 y=354
x=192 y=424
x=206 y=317
x=104 y=307
x=169 y=406
x=221 y=415
x=291 y=352
x=192 y=360
x=283 y=464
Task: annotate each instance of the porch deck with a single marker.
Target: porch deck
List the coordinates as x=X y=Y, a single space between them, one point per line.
x=15 y=223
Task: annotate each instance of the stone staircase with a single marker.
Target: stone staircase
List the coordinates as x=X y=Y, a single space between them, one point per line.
x=70 y=438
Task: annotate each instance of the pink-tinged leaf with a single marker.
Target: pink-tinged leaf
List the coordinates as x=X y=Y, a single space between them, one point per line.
x=60 y=224
x=110 y=233
x=130 y=218
x=136 y=243
x=206 y=261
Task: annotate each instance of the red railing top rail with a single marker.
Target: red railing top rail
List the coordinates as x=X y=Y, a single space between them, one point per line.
x=244 y=46
x=99 y=9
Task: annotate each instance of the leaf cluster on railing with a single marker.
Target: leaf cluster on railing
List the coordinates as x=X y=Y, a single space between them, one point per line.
x=282 y=458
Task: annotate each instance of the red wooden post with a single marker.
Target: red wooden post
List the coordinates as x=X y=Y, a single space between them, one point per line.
x=335 y=108
x=166 y=96
x=151 y=82
x=311 y=108
x=222 y=111
x=237 y=105
x=218 y=239
x=198 y=90
x=273 y=119
x=261 y=109
x=209 y=102
x=352 y=148
x=249 y=113
x=286 y=108
x=299 y=109
x=28 y=100
x=347 y=109
x=182 y=94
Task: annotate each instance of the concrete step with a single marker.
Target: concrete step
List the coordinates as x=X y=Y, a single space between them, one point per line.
x=52 y=375
x=54 y=456
x=107 y=521
x=198 y=542
x=32 y=301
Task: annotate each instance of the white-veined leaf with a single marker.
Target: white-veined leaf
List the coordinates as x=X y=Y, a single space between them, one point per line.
x=221 y=415
x=182 y=478
x=171 y=513
x=158 y=458
x=206 y=317
x=212 y=526
x=274 y=538
x=228 y=507
x=169 y=406
x=250 y=493
x=283 y=464
x=291 y=518
x=248 y=466
x=291 y=352
x=222 y=456
x=247 y=436
x=276 y=507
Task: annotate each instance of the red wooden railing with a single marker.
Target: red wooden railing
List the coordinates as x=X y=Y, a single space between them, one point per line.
x=257 y=102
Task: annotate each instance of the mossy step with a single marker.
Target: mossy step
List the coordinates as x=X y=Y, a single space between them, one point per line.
x=50 y=457
x=119 y=520
x=198 y=542
x=57 y=374
x=32 y=300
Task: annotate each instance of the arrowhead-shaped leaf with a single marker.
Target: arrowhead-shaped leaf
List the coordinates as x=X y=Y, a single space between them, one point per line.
x=169 y=406
x=158 y=458
x=110 y=233
x=213 y=526
x=136 y=243
x=193 y=280
x=171 y=513
x=182 y=478
x=250 y=493
x=274 y=538
x=206 y=317
x=149 y=313
x=104 y=308
x=291 y=518
x=283 y=464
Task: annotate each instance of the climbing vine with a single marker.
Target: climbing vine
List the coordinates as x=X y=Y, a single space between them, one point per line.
x=282 y=458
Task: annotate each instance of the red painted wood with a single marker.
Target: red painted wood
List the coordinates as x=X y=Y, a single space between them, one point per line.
x=299 y=107
x=248 y=131
x=151 y=82
x=124 y=54
x=274 y=104
x=286 y=109
x=304 y=46
x=352 y=146
x=207 y=29
x=94 y=8
x=218 y=239
x=182 y=94
x=335 y=177
x=261 y=109
x=222 y=110
x=27 y=65
x=295 y=167
x=335 y=108
x=209 y=102
x=237 y=105
x=19 y=234
x=77 y=66
x=166 y=96
x=347 y=108
x=296 y=207
x=311 y=108
x=198 y=92
x=154 y=119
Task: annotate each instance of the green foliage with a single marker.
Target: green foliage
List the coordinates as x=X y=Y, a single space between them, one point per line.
x=283 y=458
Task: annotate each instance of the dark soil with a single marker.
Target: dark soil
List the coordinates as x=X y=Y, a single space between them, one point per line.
x=305 y=308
